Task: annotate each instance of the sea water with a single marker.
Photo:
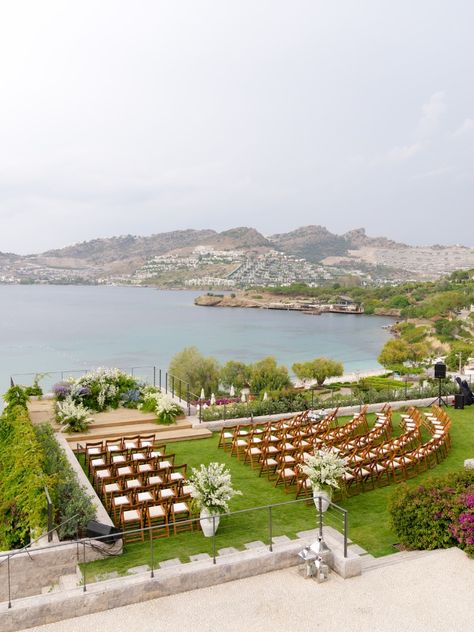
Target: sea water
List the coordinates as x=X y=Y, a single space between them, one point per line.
x=46 y=328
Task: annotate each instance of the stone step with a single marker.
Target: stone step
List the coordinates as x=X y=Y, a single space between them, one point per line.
x=119 y=418
x=369 y=562
x=164 y=434
x=47 y=590
x=66 y=582
x=121 y=430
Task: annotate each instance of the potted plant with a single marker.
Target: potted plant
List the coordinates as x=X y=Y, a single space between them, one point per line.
x=324 y=471
x=211 y=490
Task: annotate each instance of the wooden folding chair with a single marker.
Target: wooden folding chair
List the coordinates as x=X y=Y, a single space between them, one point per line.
x=156 y=517
x=180 y=515
x=131 y=520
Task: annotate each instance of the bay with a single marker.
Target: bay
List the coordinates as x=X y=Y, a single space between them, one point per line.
x=46 y=329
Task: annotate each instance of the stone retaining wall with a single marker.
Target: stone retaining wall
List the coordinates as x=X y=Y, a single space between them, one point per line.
x=113 y=593
x=46 y=563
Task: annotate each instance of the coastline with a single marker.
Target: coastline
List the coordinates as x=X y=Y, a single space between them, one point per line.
x=353 y=376
x=293 y=304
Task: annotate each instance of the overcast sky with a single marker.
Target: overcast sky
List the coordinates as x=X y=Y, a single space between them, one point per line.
x=145 y=116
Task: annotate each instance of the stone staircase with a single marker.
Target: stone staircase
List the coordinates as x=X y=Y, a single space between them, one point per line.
x=118 y=423
x=370 y=563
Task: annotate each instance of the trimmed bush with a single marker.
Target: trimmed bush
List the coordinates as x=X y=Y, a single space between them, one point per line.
x=436 y=515
x=23 y=504
x=68 y=497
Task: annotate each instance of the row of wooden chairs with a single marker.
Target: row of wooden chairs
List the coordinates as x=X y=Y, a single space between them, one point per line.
x=374 y=457
x=140 y=485
x=158 y=517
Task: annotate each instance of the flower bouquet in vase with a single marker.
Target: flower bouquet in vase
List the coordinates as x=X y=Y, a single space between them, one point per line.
x=324 y=471
x=211 y=490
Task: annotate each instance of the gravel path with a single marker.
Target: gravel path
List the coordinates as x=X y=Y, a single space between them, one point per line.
x=431 y=593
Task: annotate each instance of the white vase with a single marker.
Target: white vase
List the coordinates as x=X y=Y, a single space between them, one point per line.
x=208 y=521
x=325 y=499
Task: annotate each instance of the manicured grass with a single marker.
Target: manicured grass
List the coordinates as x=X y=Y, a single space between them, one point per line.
x=369 y=524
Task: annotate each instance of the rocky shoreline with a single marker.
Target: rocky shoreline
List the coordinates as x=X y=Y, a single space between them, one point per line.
x=297 y=304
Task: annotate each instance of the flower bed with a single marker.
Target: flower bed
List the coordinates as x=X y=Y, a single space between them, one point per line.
x=101 y=389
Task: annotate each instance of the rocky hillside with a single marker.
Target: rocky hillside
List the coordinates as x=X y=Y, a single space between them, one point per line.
x=312 y=243
x=118 y=258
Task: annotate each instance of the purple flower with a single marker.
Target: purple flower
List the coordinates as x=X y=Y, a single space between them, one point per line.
x=62 y=389
x=132 y=395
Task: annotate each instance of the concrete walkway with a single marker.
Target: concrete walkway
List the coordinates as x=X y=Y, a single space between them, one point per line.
x=432 y=593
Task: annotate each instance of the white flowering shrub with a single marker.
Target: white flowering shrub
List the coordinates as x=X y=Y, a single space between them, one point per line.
x=72 y=416
x=211 y=487
x=324 y=469
x=109 y=388
x=165 y=408
x=100 y=389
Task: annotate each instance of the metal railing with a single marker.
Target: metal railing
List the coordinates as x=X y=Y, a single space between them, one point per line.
x=335 y=516
x=26 y=549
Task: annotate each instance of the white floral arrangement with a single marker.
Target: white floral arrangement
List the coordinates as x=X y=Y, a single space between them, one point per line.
x=324 y=469
x=164 y=407
x=72 y=416
x=211 y=487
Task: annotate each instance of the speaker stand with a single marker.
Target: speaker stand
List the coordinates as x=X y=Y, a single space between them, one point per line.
x=439 y=400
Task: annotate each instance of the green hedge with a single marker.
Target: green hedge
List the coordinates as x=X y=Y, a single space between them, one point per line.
x=70 y=500
x=30 y=460
x=23 y=504
x=256 y=408
x=435 y=515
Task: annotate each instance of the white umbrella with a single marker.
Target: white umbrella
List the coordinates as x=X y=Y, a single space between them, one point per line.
x=265 y=396
x=213 y=399
x=203 y=394
x=232 y=391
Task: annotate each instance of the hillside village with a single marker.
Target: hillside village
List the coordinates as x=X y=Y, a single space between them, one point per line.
x=236 y=258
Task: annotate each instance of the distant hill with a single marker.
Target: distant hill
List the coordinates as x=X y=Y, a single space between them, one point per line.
x=358 y=238
x=122 y=256
x=313 y=243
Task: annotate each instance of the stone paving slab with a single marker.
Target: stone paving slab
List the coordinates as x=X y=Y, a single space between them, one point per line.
x=136 y=570
x=168 y=563
x=106 y=576
x=311 y=533
x=228 y=550
x=281 y=539
x=355 y=548
x=257 y=544
x=199 y=557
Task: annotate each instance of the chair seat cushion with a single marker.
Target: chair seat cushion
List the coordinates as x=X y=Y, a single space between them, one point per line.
x=166 y=493
x=163 y=465
x=144 y=497
x=176 y=476
x=133 y=482
x=144 y=467
x=112 y=487
x=156 y=511
x=131 y=514
x=121 y=500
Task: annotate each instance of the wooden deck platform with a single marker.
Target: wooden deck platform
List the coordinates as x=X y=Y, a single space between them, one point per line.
x=118 y=423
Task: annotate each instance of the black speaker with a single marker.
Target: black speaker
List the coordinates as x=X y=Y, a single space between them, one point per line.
x=459 y=401
x=99 y=530
x=440 y=370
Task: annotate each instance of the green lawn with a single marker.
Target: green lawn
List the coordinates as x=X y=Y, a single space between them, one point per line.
x=368 y=518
